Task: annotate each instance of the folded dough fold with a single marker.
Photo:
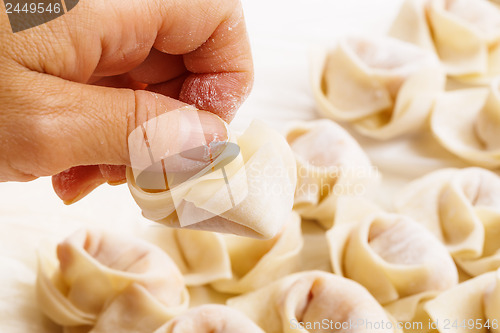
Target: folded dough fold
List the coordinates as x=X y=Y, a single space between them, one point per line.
x=105 y=282
x=385 y=86
x=330 y=164
x=262 y=179
x=255 y=263
x=462 y=208
x=473 y=305
x=465 y=34
x=467 y=123
x=210 y=319
x=201 y=256
x=313 y=301
x=391 y=255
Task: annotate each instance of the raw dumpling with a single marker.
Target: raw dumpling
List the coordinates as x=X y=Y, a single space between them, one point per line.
x=467 y=123
x=330 y=164
x=391 y=255
x=385 y=86
x=255 y=263
x=462 y=208
x=201 y=256
x=210 y=319
x=473 y=305
x=314 y=301
x=109 y=283
x=260 y=180
x=464 y=33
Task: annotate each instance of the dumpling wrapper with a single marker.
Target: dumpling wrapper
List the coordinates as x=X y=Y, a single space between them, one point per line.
x=210 y=319
x=391 y=255
x=256 y=263
x=465 y=34
x=311 y=297
x=475 y=302
x=467 y=123
x=386 y=87
x=462 y=208
x=201 y=256
x=330 y=164
x=265 y=167
x=105 y=282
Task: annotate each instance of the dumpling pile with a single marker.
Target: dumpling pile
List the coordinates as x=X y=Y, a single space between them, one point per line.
x=383 y=86
x=465 y=34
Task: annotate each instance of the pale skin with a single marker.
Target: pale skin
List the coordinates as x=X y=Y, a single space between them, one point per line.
x=71 y=90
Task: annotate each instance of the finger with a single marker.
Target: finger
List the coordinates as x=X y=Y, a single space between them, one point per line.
x=159 y=67
x=75 y=183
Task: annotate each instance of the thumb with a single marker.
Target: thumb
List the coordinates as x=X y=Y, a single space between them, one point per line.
x=62 y=124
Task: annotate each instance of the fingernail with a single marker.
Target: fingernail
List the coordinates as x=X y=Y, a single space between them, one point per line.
x=116 y=183
x=180 y=141
x=83 y=193
x=206 y=146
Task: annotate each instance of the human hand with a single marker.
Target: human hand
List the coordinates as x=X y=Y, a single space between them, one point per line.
x=71 y=90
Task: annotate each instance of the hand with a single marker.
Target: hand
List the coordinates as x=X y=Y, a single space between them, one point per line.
x=72 y=90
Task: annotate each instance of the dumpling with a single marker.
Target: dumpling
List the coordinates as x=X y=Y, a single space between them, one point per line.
x=467 y=123
x=391 y=255
x=314 y=301
x=259 y=178
x=473 y=305
x=255 y=263
x=464 y=33
x=330 y=164
x=210 y=319
x=201 y=256
x=109 y=283
x=386 y=87
x=462 y=208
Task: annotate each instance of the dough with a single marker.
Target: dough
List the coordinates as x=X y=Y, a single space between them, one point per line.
x=465 y=34
x=255 y=263
x=313 y=298
x=330 y=164
x=462 y=208
x=109 y=283
x=391 y=255
x=261 y=179
x=386 y=87
x=210 y=319
x=201 y=256
x=467 y=123
x=473 y=304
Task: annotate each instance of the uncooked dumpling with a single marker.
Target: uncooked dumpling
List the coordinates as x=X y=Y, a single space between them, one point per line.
x=255 y=263
x=462 y=209
x=260 y=181
x=330 y=164
x=311 y=299
x=467 y=123
x=210 y=319
x=109 y=283
x=201 y=256
x=386 y=87
x=464 y=33
x=473 y=305
x=391 y=255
